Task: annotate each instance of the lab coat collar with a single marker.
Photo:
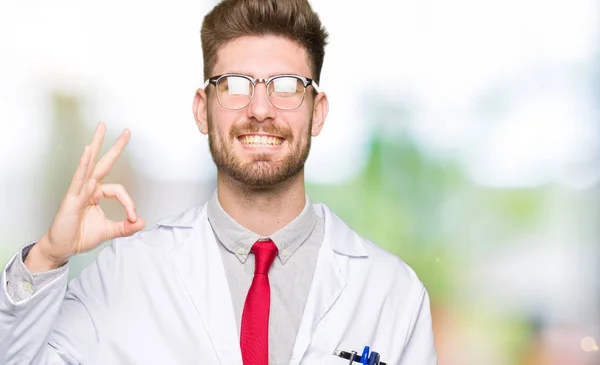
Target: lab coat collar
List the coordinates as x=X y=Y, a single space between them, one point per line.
x=346 y=241
x=198 y=262
x=340 y=245
x=342 y=239
x=187 y=219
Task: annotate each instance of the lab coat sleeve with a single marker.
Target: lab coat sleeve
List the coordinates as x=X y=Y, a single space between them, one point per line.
x=420 y=348
x=26 y=324
x=55 y=326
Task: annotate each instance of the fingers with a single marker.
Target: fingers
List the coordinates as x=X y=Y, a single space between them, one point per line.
x=123 y=228
x=79 y=177
x=107 y=161
x=96 y=145
x=119 y=192
x=87 y=162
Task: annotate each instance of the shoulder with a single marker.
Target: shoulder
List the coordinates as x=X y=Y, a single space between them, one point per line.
x=376 y=262
x=405 y=293
x=391 y=269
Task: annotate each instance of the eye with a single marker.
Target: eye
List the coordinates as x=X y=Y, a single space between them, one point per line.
x=285 y=86
x=234 y=85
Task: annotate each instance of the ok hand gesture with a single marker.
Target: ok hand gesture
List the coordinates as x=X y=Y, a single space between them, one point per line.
x=80 y=225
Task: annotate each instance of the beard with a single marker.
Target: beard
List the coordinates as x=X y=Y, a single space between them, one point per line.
x=261 y=171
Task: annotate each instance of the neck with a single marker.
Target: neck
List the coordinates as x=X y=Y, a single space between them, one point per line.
x=262 y=210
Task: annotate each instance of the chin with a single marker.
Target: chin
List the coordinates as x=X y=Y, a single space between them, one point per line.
x=264 y=175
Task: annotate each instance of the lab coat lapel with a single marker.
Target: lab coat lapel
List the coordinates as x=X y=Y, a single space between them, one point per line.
x=330 y=277
x=200 y=267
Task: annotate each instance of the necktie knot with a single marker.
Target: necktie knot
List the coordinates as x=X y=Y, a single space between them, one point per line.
x=264 y=255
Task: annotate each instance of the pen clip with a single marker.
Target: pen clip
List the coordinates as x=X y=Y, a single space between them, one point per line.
x=352 y=356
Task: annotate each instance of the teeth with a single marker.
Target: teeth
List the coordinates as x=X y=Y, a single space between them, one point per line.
x=261 y=140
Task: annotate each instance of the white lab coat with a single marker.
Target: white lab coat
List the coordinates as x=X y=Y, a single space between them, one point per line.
x=161 y=297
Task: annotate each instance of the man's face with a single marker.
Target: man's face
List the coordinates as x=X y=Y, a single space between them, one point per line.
x=260 y=145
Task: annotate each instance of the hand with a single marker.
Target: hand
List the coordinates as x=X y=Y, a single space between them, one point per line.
x=80 y=225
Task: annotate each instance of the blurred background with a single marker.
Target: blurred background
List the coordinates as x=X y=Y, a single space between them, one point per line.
x=463 y=136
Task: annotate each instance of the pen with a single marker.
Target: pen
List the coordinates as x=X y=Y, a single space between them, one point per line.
x=365 y=355
x=373 y=358
x=355 y=358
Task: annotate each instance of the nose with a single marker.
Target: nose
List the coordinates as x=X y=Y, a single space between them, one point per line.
x=260 y=107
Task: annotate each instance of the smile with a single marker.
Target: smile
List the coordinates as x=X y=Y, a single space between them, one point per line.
x=260 y=140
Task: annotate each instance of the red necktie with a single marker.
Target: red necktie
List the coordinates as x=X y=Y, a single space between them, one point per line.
x=254 y=338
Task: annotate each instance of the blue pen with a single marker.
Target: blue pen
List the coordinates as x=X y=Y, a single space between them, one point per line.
x=365 y=355
x=373 y=358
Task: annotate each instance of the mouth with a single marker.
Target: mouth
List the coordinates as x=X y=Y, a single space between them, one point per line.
x=260 y=140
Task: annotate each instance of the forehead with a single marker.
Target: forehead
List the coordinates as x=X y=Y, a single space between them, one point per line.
x=262 y=56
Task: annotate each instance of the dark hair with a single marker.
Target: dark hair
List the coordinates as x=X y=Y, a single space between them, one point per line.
x=291 y=19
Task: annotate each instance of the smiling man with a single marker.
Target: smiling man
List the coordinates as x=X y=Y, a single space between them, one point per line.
x=258 y=274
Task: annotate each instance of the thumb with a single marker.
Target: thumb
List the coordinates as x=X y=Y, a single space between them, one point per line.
x=123 y=228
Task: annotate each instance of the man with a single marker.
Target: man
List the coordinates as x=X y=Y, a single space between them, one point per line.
x=258 y=275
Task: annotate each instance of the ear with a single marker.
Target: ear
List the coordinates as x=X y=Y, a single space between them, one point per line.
x=320 y=110
x=200 y=111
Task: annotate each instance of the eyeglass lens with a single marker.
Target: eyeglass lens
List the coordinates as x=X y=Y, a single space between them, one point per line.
x=236 y=92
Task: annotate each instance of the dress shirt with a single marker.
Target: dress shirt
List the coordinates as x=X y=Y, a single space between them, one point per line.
x=22 y=284
x=290 y=277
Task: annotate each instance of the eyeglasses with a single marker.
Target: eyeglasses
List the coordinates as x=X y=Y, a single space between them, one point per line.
x=235 y=91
